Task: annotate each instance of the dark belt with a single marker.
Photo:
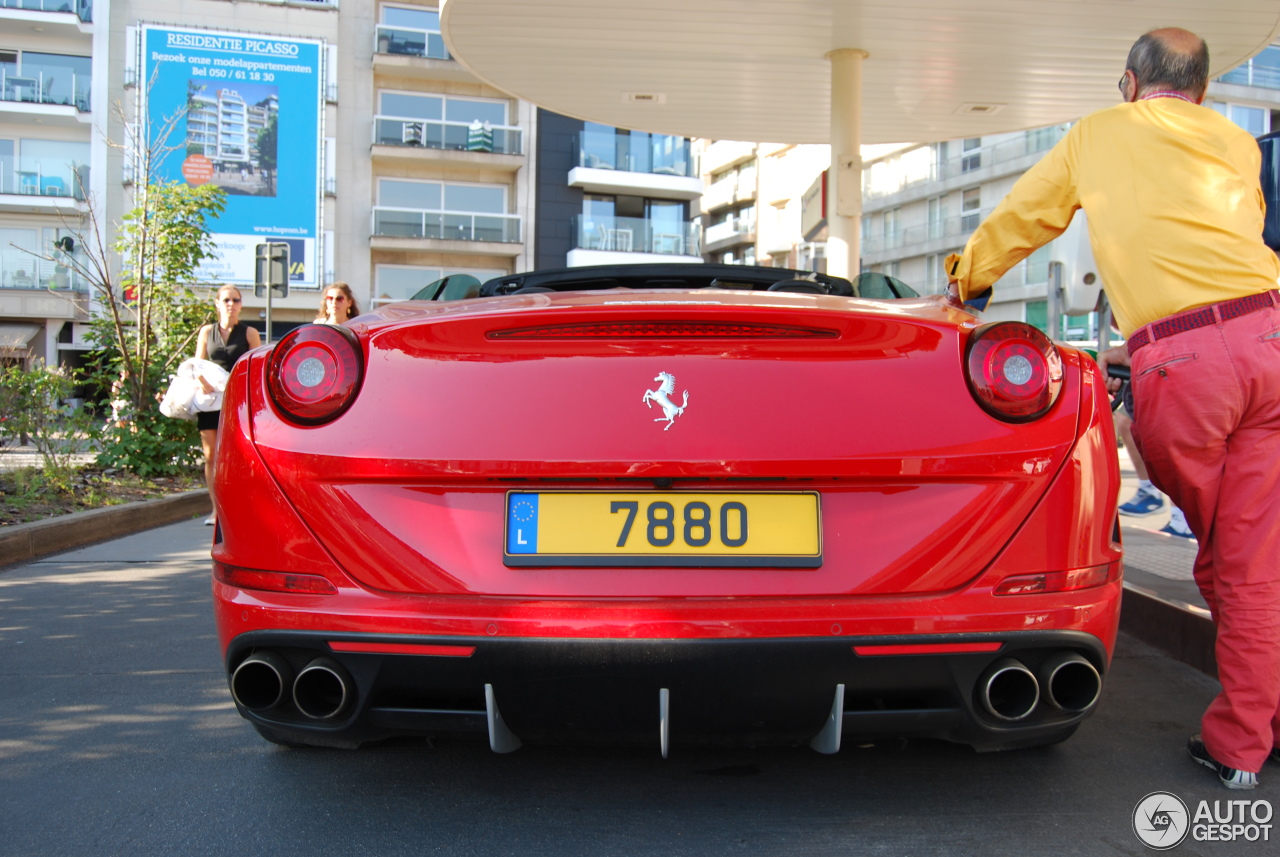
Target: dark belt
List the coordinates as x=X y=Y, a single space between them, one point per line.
x=1202 y=317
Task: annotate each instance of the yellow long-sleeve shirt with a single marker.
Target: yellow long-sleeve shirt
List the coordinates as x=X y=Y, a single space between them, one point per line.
x=1175 y=211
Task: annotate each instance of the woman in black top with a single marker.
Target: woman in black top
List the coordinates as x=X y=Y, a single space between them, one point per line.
x=222 y=343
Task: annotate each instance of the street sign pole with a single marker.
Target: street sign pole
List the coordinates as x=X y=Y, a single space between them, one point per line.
x=271 y=275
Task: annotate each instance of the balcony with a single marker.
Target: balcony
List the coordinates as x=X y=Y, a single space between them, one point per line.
x=738 y=187
x=634 y=164
x=634 y=152
x=21 y=92
x=43 y=187
x=636 y=235
x=736 y=230
x=403 y=139
x=447 y=230
x=409 y=52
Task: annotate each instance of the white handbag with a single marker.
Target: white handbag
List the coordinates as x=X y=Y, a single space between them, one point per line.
x=186 y=395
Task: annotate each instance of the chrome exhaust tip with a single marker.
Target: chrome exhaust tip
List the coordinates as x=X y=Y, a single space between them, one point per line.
x=323 y=689
x=1071 y=682
x=261 y=680
x=1008 y=690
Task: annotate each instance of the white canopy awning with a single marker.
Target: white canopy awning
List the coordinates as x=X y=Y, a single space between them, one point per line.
x=756 y=70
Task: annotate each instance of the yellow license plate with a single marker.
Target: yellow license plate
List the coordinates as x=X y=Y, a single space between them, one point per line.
x=561 y=528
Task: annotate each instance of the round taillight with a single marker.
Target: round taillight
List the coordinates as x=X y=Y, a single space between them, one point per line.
x=1014 y=371
x=315 y=372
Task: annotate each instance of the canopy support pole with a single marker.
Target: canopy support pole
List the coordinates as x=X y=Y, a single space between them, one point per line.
x=844 y=218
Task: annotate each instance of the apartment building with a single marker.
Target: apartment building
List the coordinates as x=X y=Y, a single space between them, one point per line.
x=392 y=164
x=49 y=104
x=445 y=161
x=921 y=202
x=752 y=206
x=613 y=196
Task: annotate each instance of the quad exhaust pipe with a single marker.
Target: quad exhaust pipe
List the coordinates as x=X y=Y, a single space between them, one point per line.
x=322 y=690
x=1008 y=690
x=1071 y=683
x=261 y=681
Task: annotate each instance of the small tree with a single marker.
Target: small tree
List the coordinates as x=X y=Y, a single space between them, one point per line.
x=149 y=323
x=148 y=313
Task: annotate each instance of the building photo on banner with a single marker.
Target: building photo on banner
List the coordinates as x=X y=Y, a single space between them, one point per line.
x=252 y=127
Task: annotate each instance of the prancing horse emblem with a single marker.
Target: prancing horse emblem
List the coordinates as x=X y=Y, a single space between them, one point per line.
x=662 y=395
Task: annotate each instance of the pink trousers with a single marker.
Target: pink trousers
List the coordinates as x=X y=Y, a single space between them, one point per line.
x=1207 y=423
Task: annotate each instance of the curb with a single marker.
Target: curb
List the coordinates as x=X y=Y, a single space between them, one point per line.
x=1184 y=632
x=25 y=542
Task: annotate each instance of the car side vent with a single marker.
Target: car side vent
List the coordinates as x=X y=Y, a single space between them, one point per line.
x=664 y=330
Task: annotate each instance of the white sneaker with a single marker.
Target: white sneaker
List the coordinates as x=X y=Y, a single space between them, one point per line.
x=211 y=520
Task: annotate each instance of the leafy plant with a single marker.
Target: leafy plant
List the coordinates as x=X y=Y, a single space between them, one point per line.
x=33 y=403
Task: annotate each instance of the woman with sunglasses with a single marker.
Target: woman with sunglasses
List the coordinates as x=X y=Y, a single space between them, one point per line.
x=223 y=343
x=337 y=305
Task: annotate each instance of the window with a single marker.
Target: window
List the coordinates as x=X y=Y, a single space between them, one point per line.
x=891 y=227
x=605 y=147
x=932 y=265
x=971 y=157
x=445 y=122
x=1039 y=139
x=1255 y=120
x=970 y=203
x=464 y=212
x=1037 y=265
x=414 y=32
x=935 y=217
x=16 y=259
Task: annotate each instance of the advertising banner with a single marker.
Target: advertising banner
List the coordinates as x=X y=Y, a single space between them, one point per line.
x=251 y=107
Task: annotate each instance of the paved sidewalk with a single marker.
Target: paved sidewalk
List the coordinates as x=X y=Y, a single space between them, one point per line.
x=1153 y=560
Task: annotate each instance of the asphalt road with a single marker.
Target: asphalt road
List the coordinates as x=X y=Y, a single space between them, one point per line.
x=118 y=736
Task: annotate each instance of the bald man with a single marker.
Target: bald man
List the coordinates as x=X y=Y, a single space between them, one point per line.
x=1175 y=219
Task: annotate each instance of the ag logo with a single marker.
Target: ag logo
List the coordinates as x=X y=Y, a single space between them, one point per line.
x=662 y=395
x=1161 y=821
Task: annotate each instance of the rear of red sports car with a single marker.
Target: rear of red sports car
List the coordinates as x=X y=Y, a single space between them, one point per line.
x=667 y=514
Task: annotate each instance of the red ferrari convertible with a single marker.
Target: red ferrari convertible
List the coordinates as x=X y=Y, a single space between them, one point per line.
x=669 y=504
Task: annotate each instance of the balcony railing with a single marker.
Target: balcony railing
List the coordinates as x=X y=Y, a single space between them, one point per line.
x=56 y=180
x=44 y=88
x=732 y=228
x=636 y=235
x=902 y=171
x=81 y=8
x=1253 y=73
x=413 y=42
x=462 y=136
x=907 y=238
x=446 y=225
x=635 y=153
x=41 y=274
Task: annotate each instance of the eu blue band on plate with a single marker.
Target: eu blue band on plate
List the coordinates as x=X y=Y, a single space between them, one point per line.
x=522 y=524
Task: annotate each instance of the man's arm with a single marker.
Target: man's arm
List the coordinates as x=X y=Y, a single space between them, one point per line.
x=1118 y=356
x=1037 y=210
